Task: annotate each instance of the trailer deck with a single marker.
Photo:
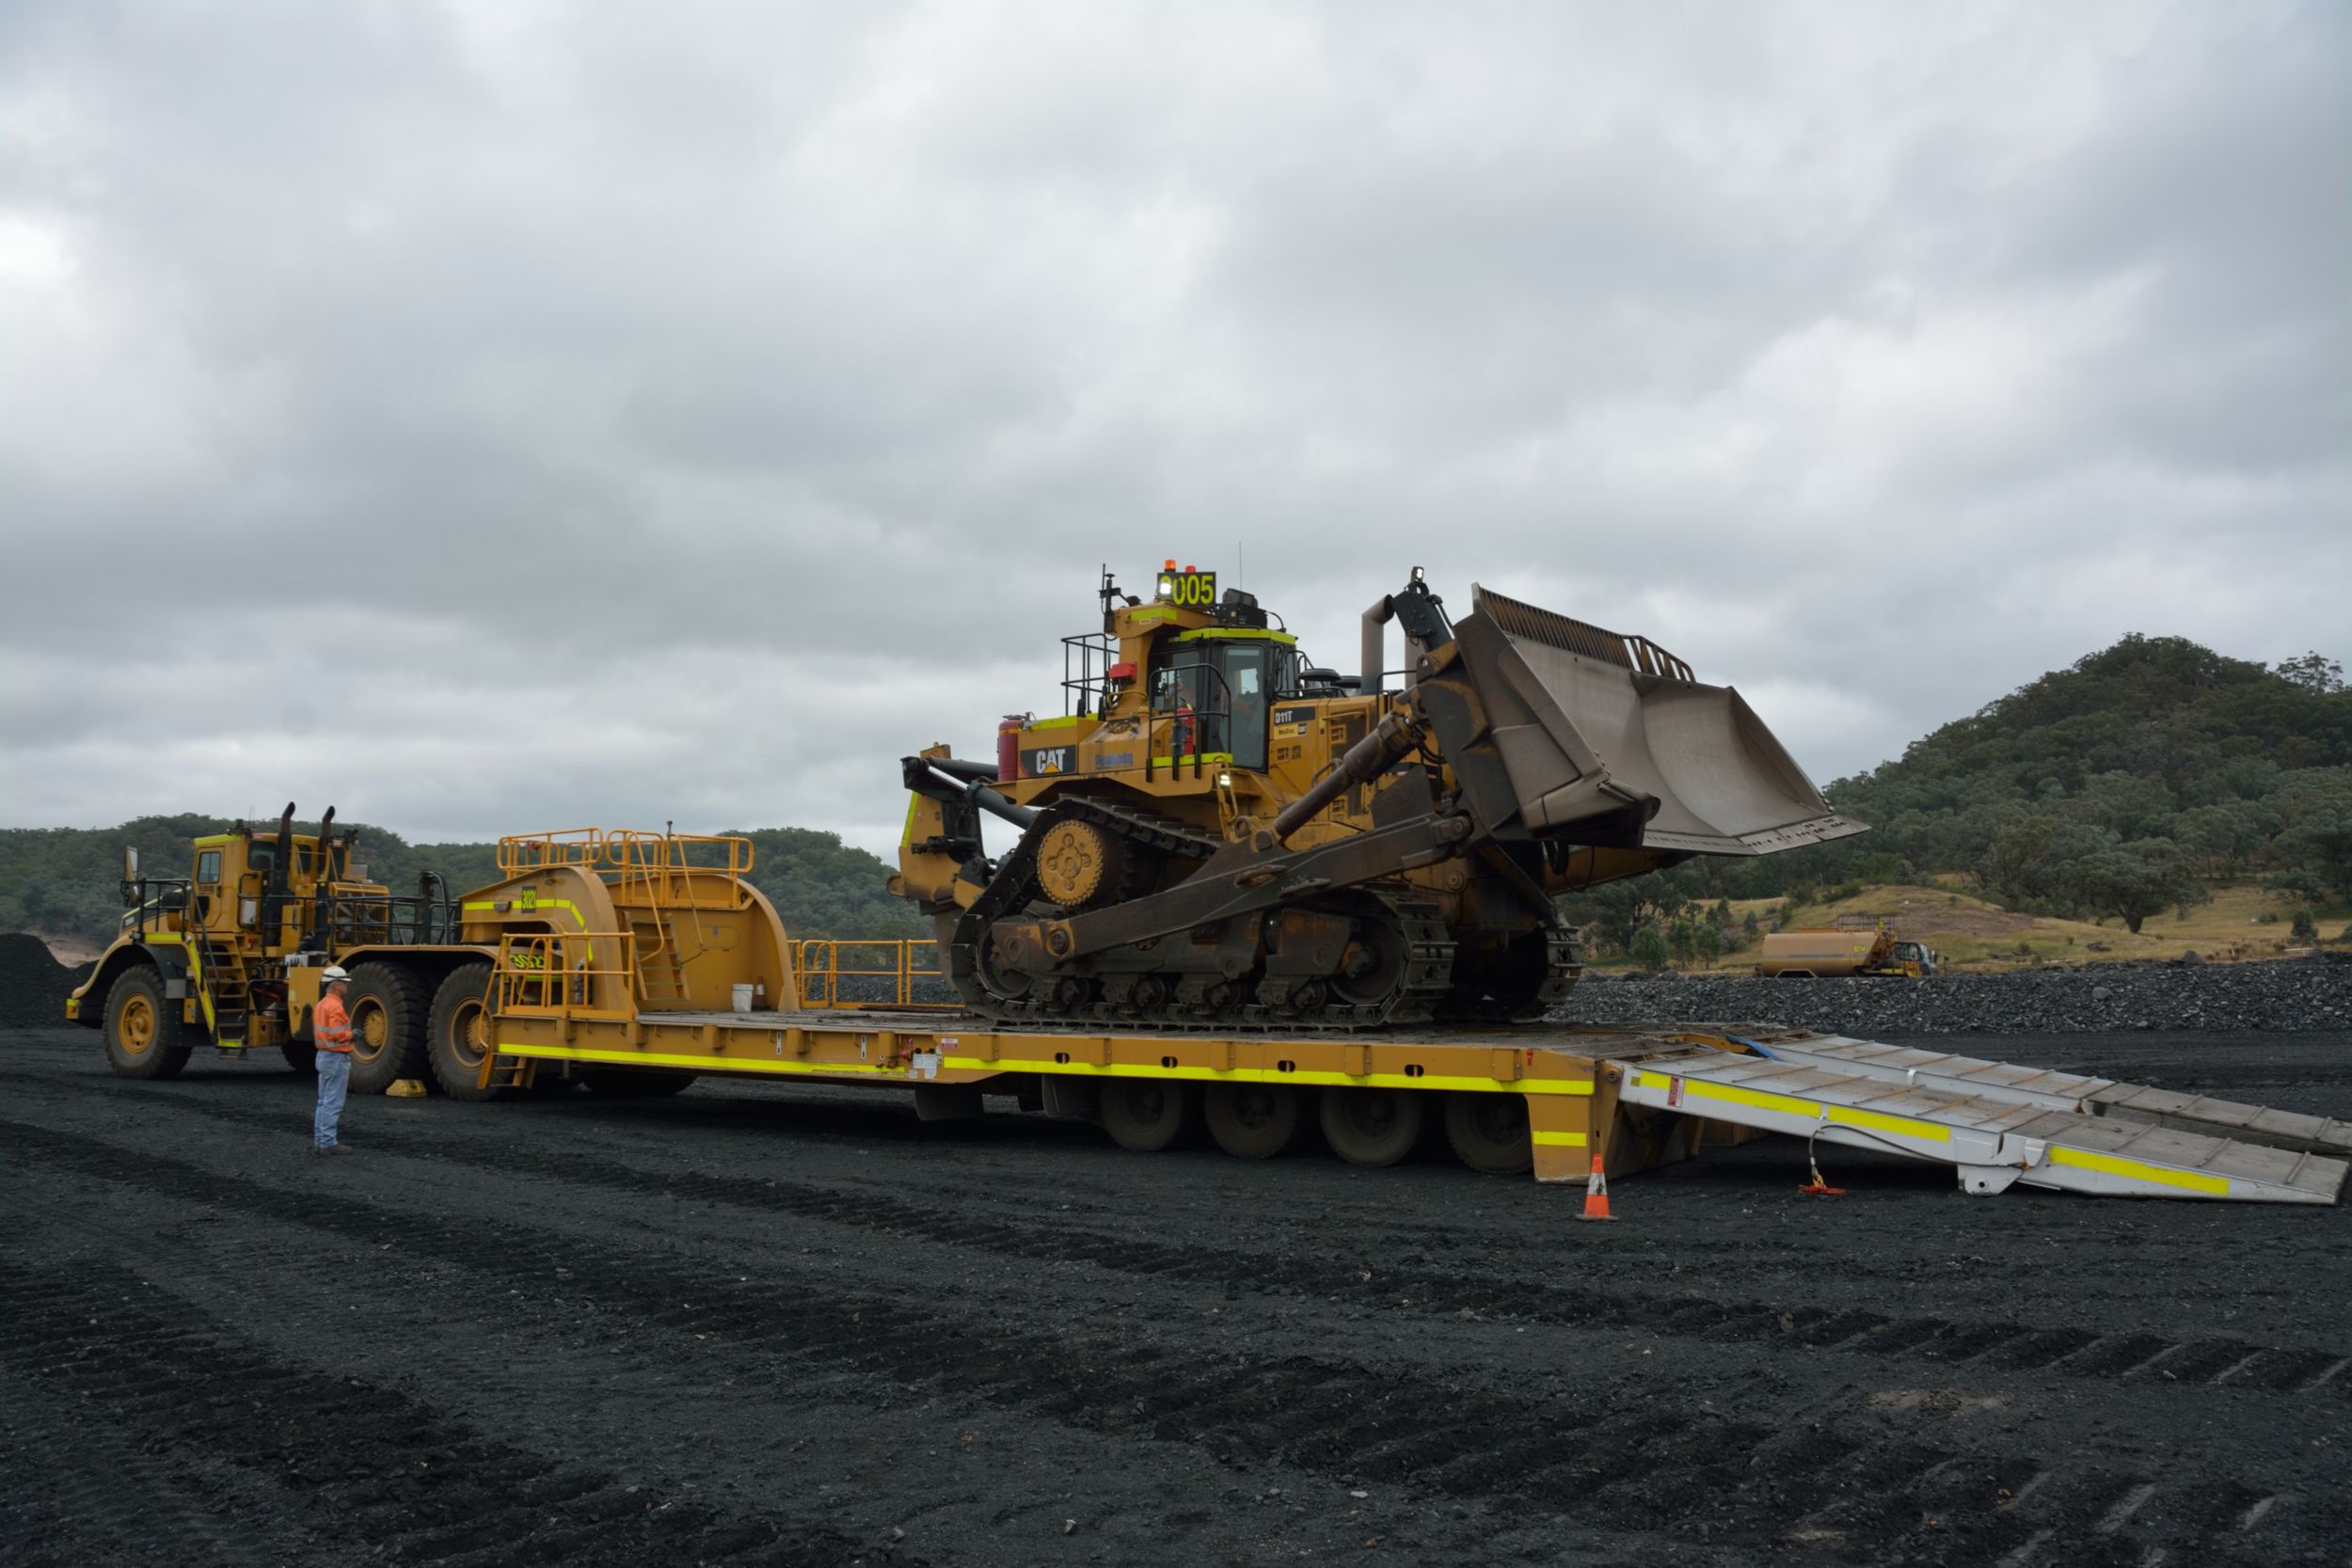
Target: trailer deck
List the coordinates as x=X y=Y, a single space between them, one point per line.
x=1638 y=1095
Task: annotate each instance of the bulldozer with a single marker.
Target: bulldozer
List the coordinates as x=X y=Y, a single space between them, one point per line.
x=1217 y=833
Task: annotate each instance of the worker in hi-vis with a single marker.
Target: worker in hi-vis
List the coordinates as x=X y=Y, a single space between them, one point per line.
x=330 y=1027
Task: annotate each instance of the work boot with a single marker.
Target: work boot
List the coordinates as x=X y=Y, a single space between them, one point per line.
x=336 y=1148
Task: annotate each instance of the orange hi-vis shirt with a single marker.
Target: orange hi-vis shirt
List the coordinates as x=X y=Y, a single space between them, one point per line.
x=330 y=1024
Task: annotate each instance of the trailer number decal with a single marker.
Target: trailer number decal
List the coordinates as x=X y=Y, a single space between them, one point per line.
x=923 y=1064
x=1193 y=590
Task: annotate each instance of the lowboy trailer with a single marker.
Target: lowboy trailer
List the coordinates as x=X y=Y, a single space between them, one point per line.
x=635 y=962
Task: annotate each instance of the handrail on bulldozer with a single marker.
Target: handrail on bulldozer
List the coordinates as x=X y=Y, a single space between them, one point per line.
x=886 y=965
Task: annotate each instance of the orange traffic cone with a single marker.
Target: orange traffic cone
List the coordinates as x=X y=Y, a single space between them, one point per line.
x=1596 y=1194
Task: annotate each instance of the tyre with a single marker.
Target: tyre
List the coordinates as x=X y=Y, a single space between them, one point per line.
x=457 y=1035
x=631 y=1082
x=1371 y=1126
x=1489 y=1133
x=302 y=1058
x=1148 y=1115
x=387 y=1008
x=144 y=1036
x=1252 y=1121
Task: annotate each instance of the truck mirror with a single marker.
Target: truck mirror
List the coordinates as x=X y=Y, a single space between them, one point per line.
x=130 y=863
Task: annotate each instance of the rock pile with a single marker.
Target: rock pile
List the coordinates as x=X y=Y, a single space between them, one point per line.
x=33 y=984
x=2297 y=993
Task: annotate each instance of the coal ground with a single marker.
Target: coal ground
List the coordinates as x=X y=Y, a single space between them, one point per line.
x=776 y=1324
x=2294 y=994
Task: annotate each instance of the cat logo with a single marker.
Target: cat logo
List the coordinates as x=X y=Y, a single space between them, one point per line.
x=1046 y=761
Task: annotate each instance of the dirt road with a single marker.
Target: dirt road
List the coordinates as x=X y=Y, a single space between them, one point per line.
x=778 y=1326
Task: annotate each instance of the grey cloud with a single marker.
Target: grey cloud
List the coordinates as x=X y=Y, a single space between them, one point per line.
x=652 y=413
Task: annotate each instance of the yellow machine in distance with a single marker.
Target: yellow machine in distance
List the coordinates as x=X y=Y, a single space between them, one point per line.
x=1216 y=832
x=1817 y=955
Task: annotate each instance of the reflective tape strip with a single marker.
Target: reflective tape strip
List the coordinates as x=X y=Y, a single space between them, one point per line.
x=698 y=1064
x=1811 y=1109
x=565 y=904
x=2110 y=1165
x=1271 y=1075
x=1559 y=1140
x=748 y=1063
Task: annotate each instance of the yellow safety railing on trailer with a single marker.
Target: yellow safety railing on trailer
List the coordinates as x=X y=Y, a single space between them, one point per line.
x=520 y=852
x=585 y=974
x=876 y=966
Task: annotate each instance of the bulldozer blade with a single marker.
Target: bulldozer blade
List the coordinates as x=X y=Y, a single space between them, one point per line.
x=1591 y=725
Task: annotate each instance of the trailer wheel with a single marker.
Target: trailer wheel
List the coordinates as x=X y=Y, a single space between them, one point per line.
x=1148 y=1115
x=457 y=1036
x=632 y=1083
x=144 y=1037
x=303 y=1058
x=1252 y=1121
x=387 y=1008
x=1488 y=1131
x=1371 y=1126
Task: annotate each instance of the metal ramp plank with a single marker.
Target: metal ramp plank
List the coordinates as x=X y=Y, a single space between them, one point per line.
x=2004 y=1131
x=2101 y=1097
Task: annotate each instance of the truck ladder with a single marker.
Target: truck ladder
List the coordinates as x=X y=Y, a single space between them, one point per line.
x=221 y=985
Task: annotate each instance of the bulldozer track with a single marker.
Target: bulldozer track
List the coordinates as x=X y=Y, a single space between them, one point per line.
x=700 y=1297
x=1425 y=961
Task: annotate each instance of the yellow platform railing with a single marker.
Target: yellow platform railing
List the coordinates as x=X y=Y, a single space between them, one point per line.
x=567 y=973
x=887 y=970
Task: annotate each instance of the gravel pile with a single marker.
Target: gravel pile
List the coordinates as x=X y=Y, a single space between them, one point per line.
x=2295 y=994
x=33 y=984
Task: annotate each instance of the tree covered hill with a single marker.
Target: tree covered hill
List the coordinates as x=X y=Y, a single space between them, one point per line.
x=62 y=882
x=2119 y=787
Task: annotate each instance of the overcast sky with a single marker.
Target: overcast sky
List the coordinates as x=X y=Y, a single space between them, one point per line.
x=499 y=416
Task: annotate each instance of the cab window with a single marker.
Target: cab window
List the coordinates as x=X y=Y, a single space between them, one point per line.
x=208 y=867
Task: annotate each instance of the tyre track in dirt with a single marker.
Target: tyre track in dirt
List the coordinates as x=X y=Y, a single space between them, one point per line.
x=1751 y=1436
x=1636 y=1472
x=2008 y=1345
x=453 y=1498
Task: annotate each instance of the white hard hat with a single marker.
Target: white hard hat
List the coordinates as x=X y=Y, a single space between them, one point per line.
x=334 y=972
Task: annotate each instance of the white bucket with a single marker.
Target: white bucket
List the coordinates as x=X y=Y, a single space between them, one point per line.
x=742 y=999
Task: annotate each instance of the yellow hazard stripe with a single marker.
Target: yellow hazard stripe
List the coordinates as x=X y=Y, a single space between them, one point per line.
x=1790 y=1105
x=1272 y=1075
x=490 y=907
x=749 y=1063
x=2111 y=1165
x=1559 y=1140
x=698 y=1064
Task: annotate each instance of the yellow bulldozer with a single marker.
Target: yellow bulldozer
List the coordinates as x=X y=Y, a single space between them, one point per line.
x=1218 y=833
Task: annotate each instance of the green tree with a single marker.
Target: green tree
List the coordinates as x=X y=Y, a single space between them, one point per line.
x=1751 y=930
x=1707 y=942
x=2134 y=880
x=2306 y=926
x=2312 y=674
x=1649 y=947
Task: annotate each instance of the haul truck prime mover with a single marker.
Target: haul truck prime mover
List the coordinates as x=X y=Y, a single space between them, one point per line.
x=1367 y=947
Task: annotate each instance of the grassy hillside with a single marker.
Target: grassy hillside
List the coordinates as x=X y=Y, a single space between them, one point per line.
x=2123 y=794
x=1974 y=935
x=61 y=883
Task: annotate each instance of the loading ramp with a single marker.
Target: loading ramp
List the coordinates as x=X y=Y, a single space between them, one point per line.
x=1997 y=1124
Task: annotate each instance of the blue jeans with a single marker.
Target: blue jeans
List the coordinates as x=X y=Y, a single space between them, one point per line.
x=334 y=1080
